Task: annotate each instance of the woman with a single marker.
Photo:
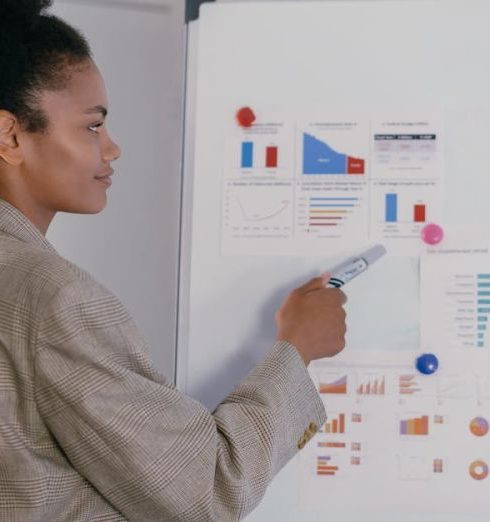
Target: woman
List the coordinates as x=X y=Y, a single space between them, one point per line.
x=88 y=429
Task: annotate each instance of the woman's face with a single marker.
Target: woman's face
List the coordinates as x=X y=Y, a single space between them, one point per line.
x=58 y=169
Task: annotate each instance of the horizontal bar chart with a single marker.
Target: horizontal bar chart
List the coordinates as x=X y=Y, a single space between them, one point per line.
x=324 y=467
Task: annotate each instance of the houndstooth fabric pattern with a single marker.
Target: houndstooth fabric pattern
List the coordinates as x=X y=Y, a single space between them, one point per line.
x=89 y=431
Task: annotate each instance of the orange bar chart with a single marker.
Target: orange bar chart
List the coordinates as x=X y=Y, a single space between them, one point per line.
x=417 y=426
x=335 y=425
x=373 y=387
x=408 y=385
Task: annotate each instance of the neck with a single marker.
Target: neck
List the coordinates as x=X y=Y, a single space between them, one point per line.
x=40 y=217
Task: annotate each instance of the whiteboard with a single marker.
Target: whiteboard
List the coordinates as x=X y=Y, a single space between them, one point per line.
x=314 y=56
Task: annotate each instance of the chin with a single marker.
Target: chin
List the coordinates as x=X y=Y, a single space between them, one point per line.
x=92 y=207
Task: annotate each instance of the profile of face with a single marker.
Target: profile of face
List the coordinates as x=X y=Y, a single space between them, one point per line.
x=57 y=170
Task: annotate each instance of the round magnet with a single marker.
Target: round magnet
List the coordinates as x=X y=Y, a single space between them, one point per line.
x=427 y=363
x=432 y=234
x=245 y=117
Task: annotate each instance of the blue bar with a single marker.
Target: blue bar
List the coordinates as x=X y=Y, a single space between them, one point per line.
x=339 y=199
x=483 y=301
x=482 y=318
x=484 y=310
x=483 y=294
x=482 y=327
x=481 y=345
x=483 y=276
x=481 y=336
x=483 y=285
x=391 y=208
x=247 y=155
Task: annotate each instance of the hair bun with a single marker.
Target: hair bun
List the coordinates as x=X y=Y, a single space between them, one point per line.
x=22 y=10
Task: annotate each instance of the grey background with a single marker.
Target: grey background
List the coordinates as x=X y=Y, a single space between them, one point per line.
x=131 y=247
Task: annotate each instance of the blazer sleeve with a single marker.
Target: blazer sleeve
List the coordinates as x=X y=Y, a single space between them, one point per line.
x=149 y=450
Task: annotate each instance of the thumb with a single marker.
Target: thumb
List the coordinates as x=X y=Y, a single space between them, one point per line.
x=315 y=284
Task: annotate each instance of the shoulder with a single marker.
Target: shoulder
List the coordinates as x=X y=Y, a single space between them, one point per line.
x=34 y=277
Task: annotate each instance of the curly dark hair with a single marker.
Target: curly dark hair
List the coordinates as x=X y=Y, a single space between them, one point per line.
x=38 y=52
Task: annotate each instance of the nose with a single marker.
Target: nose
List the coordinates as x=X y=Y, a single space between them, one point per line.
x=112 y=151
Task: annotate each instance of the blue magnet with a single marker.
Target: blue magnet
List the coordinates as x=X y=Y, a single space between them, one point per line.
x=427 y=363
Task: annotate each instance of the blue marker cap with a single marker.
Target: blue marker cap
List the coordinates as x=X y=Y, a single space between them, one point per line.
x=427 y=363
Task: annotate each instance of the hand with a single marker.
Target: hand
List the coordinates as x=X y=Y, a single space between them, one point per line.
x=312 y=319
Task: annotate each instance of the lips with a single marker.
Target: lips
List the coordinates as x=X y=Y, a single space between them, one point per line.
x=105 y=176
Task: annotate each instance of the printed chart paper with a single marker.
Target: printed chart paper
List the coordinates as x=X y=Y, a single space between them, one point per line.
x=391 y=429
x=313 y=186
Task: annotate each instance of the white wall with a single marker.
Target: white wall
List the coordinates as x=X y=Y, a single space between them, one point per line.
x=132 y=246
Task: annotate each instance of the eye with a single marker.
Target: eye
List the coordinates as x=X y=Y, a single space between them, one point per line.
x=95 y=126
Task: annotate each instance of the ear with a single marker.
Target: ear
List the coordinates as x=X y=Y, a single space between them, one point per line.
x=9 y=147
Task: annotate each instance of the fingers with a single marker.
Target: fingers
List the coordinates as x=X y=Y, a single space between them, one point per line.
x=314 y=284
x=343 y=297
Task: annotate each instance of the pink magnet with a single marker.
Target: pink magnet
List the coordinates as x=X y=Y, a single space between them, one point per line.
x=432 y=234
x=245 y=117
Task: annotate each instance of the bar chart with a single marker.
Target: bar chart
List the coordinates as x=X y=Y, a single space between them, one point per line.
x=408 y=385
x=264 y=150
x=415 y=426
x=483 y=309
x=256 y=156
x=335 y=425
x=391 y=210
x=373 y=386
x=324 y=466
x=462 y=285
x=400 y=209
x=326 y=209
x=330 y=211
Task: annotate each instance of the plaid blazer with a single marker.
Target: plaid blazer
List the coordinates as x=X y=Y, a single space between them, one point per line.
x=89 y=431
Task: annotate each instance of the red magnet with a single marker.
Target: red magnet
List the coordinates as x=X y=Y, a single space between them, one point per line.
x=432 y=234
x=245 y=117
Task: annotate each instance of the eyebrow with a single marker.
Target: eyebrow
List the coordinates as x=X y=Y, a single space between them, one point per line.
x=96 y=109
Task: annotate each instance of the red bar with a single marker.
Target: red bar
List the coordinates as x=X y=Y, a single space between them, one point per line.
x=355 y=165
x=335 y=423
x=419 y=213
x=271 y=157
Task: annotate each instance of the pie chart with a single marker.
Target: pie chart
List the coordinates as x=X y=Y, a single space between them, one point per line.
x=479 y=426
x=479 y=470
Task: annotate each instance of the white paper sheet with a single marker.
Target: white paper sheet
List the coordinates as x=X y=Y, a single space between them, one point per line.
x=398 y=435
x=306 y=184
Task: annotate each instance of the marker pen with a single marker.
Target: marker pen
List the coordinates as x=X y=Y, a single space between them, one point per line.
x=354 y=266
